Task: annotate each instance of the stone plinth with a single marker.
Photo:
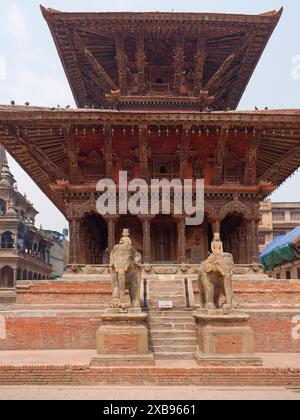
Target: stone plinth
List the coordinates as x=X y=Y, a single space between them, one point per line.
x=225 y=339
x=123 y=340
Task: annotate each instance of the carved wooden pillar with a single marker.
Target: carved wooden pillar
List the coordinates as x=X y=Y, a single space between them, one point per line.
x=108 y=150
x=216 y=226
x=147 y=253
x=199 y=65
x=181 y=240
x=251 y=158
x=220 y=154
x=122 y=64
x=178 y=62
x=185 y=150
x=72 y=151
x=111 y=227
x=143 y=151
x=255 y=243
x=242 y=245
x=74 y=241
x=140 y=63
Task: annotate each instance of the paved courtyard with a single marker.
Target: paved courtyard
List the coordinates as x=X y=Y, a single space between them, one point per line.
x=83 y=357
x=145 y=393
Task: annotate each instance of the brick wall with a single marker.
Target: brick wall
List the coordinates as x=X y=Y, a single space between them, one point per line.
x=64 y=292
x=273 y=331
x=202 y=376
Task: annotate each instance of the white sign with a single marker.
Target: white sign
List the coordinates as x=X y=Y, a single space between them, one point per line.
x=165 y=304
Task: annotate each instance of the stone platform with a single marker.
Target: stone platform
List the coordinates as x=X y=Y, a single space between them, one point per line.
x=72 y=368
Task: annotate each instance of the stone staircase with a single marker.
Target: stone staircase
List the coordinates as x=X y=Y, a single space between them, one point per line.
x=172 y=331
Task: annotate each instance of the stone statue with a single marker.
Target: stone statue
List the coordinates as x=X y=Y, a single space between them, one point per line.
x=125 y=273
x=215 y=279
x=217 y=245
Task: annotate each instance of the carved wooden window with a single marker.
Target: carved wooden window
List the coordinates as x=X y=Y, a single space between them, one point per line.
x=165 y=167
x=232 y=173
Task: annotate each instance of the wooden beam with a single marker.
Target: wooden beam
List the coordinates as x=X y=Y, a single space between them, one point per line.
x=220 y=155
x=251 y=158
x=217 y=79
x=140 y=58
x=99 y=70
x=122 y=59
x=199 y=65
x=48 y=167
x=280 y=164
x=178 y=62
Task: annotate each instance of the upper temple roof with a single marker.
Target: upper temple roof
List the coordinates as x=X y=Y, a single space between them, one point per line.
x=159 y=60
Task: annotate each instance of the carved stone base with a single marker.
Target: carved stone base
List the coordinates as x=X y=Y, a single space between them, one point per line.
x=122 y=340
x=225 y=339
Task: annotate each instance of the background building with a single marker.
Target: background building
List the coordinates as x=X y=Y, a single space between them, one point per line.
x=277 y=219
x=26 y=253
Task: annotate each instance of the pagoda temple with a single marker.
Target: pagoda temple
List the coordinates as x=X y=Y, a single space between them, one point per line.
x=157 y=95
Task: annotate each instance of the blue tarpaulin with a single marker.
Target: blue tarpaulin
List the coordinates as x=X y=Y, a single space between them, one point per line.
x=282 y=249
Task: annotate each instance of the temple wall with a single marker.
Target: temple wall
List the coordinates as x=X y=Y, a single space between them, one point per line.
x=75 y=329
x=65 y=315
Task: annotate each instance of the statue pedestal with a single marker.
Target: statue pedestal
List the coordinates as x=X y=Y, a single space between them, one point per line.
x=122 y=340
x=225 y=339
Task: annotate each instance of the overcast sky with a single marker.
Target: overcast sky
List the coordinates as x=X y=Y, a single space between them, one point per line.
x=30 y=69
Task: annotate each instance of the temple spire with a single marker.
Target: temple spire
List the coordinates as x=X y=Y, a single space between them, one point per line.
x=3 y=157
x=6 y=177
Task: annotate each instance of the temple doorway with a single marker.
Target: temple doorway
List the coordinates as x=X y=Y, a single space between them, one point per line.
x=164 y=241
x=233 y=236
x=198 y=242
x=93 y=240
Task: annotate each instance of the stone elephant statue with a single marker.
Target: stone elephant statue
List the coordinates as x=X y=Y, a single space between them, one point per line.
x=125 y=272
x=215 y=280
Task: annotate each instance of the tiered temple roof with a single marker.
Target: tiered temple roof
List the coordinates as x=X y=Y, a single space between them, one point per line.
x=155 y=89
x=131 y=58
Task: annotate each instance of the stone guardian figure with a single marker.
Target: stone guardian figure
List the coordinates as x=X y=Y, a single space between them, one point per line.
x=125 y=273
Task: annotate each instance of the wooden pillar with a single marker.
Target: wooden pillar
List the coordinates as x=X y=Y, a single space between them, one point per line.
x=74 y=241
x=178 y=62
x=251 y=159
x=185 y=150
x=108 y=150
x=181 y=239
x=199 y=65
x=143 y=151
x=216 y=226
x=147 y=252
x=122 y=63
x=140 y=63
x=220 y=154
x=111 y=227
x=255 y=243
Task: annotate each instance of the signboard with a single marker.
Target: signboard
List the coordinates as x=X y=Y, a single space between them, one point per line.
x=165 y=304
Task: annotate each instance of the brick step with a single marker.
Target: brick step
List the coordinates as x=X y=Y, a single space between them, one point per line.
x=174 y=349
x=173 y=341
x=179 y=314
x=179 y=320
x=174 y=356
x=173 y=333
x=173 y=327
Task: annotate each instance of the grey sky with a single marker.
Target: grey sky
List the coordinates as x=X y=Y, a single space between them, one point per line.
x=30 y=69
